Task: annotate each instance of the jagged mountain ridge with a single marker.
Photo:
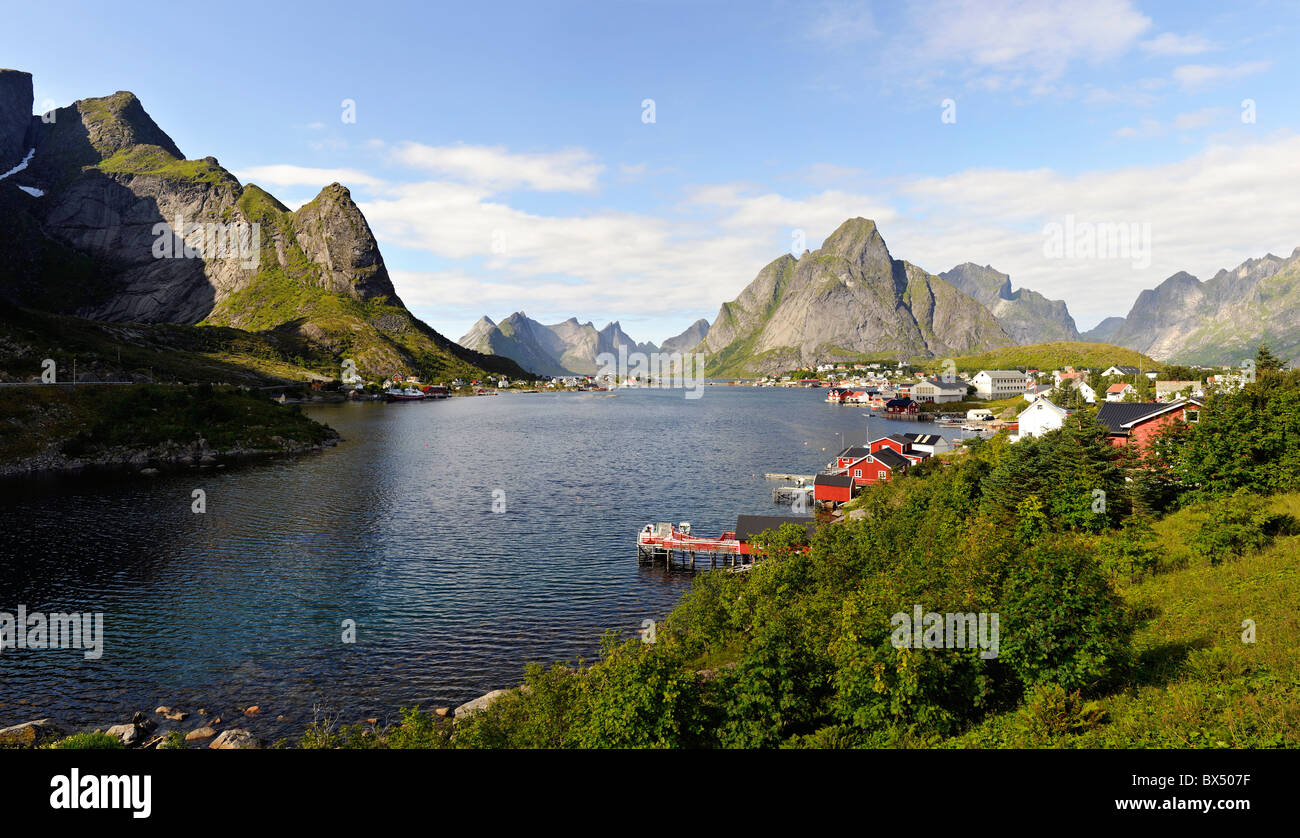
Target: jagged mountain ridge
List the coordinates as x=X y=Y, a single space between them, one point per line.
x=87 y=244
x=1220 y=320
x=847 y=300
x=567 y=348
x=1025 y=315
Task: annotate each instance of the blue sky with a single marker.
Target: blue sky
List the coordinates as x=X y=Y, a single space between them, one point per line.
x=505 y=160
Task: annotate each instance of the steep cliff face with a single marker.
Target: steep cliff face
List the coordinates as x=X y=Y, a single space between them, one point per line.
x=1221 y=320
x=113 y=223
x=848 y=299
x=15 y=116
x=1025 y=315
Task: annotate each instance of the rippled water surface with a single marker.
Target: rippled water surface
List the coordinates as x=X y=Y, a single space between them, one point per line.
x=394 y=529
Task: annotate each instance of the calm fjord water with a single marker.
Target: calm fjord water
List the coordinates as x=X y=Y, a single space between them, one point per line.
x=394 y=529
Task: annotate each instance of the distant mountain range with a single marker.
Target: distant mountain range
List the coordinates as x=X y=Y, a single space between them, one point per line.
x=568 y=348
x=85 y=192
x=1219 y=321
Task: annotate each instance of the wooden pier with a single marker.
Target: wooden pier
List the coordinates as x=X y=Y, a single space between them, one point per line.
x=801 y=496
x=677 y=549
x=807 y=478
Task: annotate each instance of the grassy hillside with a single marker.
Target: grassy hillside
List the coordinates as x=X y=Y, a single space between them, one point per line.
x=1196 y=684
x=1050 y=356
x=162 y=352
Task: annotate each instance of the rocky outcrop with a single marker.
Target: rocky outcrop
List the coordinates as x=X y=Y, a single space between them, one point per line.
x=234 y=739
x=15 y=117
x=335 y=235
x=478 y=704
x=1025 y=315
x=848 y=299
x=29 y=734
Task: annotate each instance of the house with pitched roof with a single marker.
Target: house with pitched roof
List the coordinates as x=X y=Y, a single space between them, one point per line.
x=1040 y=417
x=1136 y=424
x=1117 y=392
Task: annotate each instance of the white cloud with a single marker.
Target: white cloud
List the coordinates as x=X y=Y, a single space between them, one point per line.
x=1209 y=211
x=1008 y=43
x=569 y=170
x=286 y=175
x=1167 y=43
x=1198 y=75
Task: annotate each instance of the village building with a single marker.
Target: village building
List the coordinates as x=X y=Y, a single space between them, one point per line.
x=929 y=443
x=1136 y=424
x=833 y=488
x=1123 y=371
x=1040 y=417
x=1033 y=391
x=939 y=392
x=1170 y=390
x=1117 y=392
x=999 y=384
x=900 y=407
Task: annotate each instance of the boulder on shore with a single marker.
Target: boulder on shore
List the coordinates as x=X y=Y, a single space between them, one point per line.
x=28 y=734
x=199 y=733
x=480 y=703
x=237 y=738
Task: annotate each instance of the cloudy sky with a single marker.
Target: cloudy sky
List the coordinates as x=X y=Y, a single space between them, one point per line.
x=641 y=161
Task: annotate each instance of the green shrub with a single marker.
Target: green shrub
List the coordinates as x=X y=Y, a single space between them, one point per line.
x=1239 y=524
x=89 y=742
x=1061 y=621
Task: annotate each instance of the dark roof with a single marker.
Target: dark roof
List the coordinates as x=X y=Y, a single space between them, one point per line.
x=841 y=480
x=903 y=438
x=855 y=452
x=1124 y=368
x=1116 y=415
x=903 y=402
x=748 y=526
x=892 y=458
x=924 y=439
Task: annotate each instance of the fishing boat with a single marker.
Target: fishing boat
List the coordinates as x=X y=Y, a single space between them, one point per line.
x=406 y=394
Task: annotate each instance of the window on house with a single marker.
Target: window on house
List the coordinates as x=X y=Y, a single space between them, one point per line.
x=857 y=472
x=1192 y=415
x=880 y=475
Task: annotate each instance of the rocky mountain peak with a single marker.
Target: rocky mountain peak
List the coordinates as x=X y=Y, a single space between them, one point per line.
x=856 y=240
x=335 y=235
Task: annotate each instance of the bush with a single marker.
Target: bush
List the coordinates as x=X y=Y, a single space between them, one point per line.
x=1237 y=525
x=1129 y=554
x=1062 y=623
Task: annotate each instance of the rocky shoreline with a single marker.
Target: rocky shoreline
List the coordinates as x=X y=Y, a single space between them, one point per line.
x=149 y=462
x=166 y=727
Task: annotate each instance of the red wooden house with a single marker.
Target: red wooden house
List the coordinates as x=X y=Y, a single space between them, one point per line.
x=833 y=488
x=900 y=407
x=1137 y=424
